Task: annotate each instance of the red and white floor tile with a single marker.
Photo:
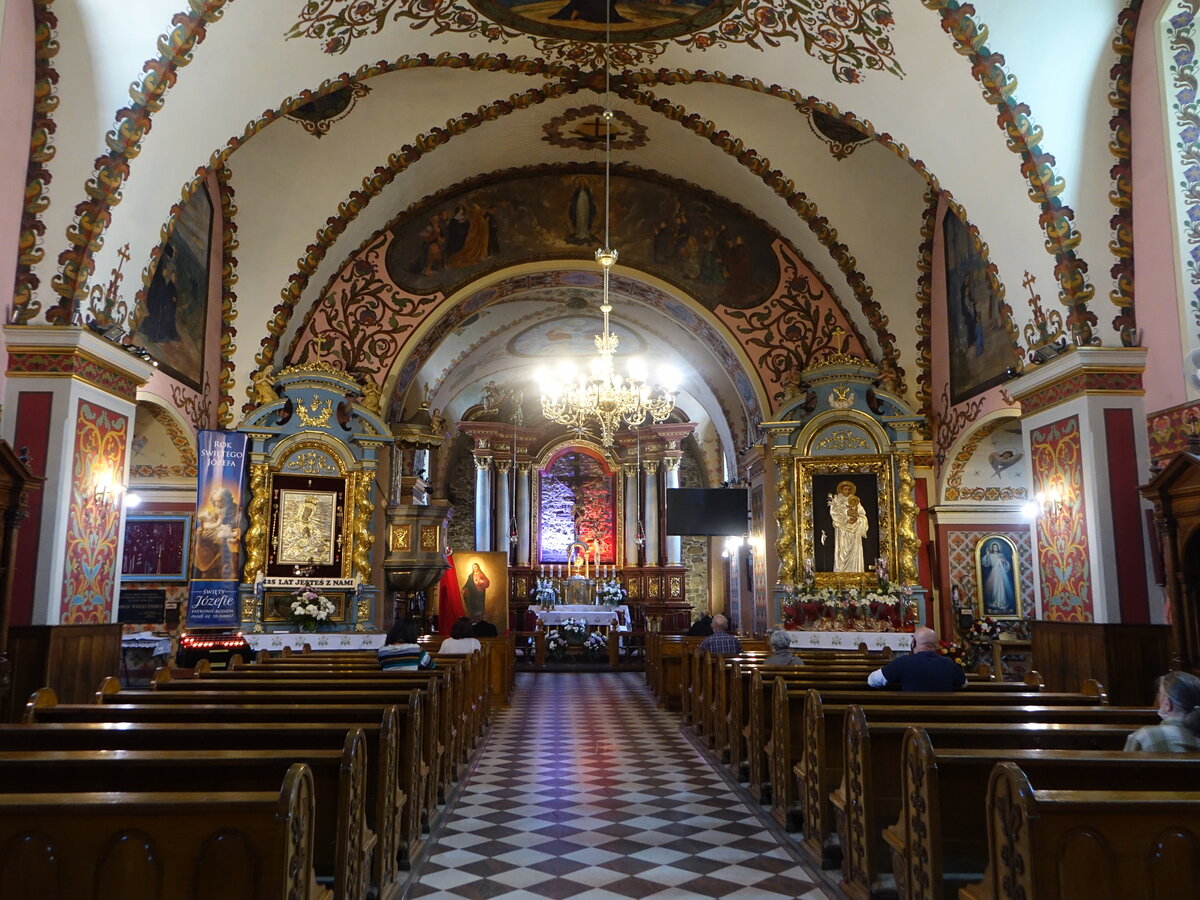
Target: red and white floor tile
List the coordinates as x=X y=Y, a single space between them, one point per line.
x=586 y=790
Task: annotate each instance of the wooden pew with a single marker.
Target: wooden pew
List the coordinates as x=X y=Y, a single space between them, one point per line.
x=939 y=842
x=343 y=845
x=442 y=742
x=807 y=751
x=1100 y=845
x=397 y=779
x=868 y=797
x=668 y=670
x=238 y=846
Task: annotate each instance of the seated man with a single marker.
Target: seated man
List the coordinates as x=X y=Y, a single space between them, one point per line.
x=1179 y=708
x=922 y=670
x=702 y=627
x=781 y=651
x=720 y=641
x=482 y=628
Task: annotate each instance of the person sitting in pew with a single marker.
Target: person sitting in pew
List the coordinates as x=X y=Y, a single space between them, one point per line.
x=720 y=642
x=781 y=651
x=481 y=627
x=922 y=670
x=460 y=640
x=1179 y=708
x=401 y=651
x=702 y=627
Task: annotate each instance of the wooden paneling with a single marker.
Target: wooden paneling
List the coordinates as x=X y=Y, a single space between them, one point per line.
x=1124 y=658
x=72 y=659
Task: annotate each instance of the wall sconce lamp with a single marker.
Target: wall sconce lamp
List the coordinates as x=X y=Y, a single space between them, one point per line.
x=733 y=544
x=1045 y=503
x=107 y=491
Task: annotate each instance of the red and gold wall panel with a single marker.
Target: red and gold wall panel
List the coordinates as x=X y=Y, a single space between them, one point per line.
x=1062 y=549
x=91 y=564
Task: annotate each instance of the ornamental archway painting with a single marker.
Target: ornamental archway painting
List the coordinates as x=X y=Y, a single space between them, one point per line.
x=717 y=254
x=585 y=19
x=576 y=501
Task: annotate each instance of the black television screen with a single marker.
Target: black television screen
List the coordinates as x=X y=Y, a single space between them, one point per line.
x=707 y=511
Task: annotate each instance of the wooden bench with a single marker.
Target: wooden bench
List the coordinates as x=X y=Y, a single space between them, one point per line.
x=255 y=845
x=868 y=797
x=939 y=842
x=822 y=754
x=1098 y=845
x=396 y=779
x=343 y=845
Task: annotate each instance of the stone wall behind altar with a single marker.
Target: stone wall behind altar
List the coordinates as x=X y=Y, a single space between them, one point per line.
x=694 y=547
x=461 y=485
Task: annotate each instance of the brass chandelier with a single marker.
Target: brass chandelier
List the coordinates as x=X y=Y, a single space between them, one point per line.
x=601 y=394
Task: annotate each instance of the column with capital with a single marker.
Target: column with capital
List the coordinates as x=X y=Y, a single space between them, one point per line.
x=524 y=513
x=674 y=541
x=503 y=508
x=650 y=469
x=483 y=503
x=632 y=512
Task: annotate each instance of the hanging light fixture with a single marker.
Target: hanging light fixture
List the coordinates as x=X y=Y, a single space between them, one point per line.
x=576 y=399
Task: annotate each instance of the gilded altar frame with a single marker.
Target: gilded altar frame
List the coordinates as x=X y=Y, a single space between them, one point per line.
x=816 y=477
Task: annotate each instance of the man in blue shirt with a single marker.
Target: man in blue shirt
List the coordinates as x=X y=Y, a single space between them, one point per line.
x=720 y=641
x=922 y=670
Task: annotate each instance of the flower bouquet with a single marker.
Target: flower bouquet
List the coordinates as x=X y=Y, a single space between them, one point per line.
x=543 y=593
x=309 y=609
x=955 y=651
x=610 y=592
x=595 y=646
x=556 y=644
x=574 y=631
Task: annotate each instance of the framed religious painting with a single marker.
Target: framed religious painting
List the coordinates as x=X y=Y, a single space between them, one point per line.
x=844 y=518
x=307 y=526
x=997 y=577
x=483 y=582
x=156 y=548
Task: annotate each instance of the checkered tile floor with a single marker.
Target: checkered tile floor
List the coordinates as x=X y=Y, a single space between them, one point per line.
x=586 y=790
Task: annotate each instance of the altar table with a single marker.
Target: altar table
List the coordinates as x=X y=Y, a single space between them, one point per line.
x=317 y=640
x=848 y=640
x=592 y=615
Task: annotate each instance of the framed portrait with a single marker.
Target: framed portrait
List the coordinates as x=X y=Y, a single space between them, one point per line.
x=997 y=577
x=156 y=548
x=307 y=527
x=844 y=517
x=483 y=580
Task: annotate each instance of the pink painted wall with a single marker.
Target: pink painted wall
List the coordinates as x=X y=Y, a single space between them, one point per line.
x=1158 y=296
x=16 y=111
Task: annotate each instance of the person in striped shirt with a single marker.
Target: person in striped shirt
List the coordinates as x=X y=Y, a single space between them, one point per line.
x=401 y=651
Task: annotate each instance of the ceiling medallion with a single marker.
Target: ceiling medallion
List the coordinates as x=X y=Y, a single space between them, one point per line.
x=318 y=115
x=585 y=128
x=840 y=136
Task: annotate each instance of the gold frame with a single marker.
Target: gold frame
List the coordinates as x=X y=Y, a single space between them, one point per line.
x=285 y=513
x=1015 y=558
x=535 y=496
x=881 y=468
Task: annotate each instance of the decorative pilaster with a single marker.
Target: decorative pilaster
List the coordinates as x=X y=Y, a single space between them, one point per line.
x=483 y=503
x=650 y=517
x=632 y=510
x=503 y=506
x=524 y=512
x=1084 y=428
x=671 y=480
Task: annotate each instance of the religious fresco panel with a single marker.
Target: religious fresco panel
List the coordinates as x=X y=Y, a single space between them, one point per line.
x=980 y=349
x=93 y=526
x=1063 y=546
x=718 y=255
x=170 y=321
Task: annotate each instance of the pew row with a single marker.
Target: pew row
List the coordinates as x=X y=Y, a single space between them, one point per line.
x=254 y=845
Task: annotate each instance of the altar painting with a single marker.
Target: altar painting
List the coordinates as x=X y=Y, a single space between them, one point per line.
x=844 y=518
x=576 y=503
x=997 y=577
x=483 y=580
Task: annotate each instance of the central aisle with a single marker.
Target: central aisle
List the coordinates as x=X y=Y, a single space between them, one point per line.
x=586 y=790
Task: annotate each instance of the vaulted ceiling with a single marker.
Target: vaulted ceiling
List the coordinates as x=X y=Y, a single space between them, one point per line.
x=834 y=126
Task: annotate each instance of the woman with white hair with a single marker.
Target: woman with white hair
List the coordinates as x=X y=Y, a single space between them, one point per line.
x=781 y=653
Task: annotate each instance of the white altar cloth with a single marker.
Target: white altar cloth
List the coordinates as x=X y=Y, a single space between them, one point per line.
x=158 y=645
x=318 y=640
x=592 y=615
x=848 y=640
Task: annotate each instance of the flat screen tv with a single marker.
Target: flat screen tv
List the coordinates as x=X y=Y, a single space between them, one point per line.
x=719 y=511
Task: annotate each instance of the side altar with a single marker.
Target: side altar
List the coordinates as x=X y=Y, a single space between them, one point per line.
x=314 y=442
x=840 y=462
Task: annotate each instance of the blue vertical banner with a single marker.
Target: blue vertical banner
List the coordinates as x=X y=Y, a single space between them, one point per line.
x=217 y=542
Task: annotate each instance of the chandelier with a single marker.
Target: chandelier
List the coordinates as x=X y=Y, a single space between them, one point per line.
x=601 y=394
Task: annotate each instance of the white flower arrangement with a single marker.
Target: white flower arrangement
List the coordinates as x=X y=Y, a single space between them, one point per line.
x=573 y=630
x=610 y=592
x=309 y=608
x=596 y=644
x=556 y=644
x=543 y=593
